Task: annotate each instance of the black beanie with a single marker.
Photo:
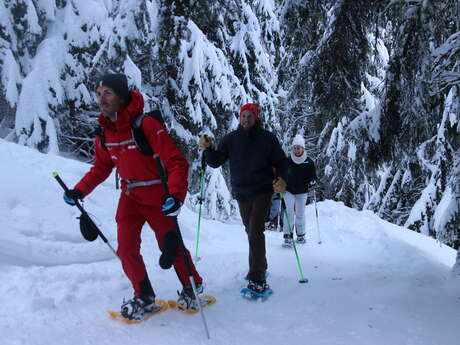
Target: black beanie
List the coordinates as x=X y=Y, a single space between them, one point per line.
x=118 y=83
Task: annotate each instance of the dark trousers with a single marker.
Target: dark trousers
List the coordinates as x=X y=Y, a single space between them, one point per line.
x=253 y=213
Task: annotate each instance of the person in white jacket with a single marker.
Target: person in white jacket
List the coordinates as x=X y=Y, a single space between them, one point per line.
x=301 y=175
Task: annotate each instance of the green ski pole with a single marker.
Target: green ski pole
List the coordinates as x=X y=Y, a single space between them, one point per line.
x=302 y=278
x=200 y=200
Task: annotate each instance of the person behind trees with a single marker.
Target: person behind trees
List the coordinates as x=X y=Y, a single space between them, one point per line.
x=301 y=175
x=252 y=153
x=142 y=198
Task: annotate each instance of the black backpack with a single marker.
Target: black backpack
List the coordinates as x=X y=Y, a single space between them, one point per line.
x=139 y=137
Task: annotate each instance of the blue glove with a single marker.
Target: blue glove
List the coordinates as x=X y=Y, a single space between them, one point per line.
x=72 y=195
x=171 y=206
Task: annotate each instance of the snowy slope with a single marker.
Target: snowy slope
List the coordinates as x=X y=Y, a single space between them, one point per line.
x=370 y=282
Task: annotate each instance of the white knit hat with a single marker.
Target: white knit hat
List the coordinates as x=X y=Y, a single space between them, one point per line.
x=298 y=140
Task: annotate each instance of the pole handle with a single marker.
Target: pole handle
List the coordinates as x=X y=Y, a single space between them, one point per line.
x=59 y=180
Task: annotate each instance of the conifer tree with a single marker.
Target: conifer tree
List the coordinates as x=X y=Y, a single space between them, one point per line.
x=372 y=85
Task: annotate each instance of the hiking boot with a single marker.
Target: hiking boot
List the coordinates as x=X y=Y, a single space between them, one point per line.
x=137 y=307
x=187 y=297
x=271 y=225
x=258 y=286
x=287 y=240
x=301 y=239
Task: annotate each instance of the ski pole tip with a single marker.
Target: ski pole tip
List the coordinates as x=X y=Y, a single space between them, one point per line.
x=54 y=174
x=303 y=281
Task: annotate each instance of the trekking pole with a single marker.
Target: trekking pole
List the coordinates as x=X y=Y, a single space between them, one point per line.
x=164 y=184
x=302 y=278
x=200 y=200
x=85 y=214
x=317 y=222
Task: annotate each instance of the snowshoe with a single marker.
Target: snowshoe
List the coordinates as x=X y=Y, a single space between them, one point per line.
x=137 y=310
x=187 y=301
x=256 y=291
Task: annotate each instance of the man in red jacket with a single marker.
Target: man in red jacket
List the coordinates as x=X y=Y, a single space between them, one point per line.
x=142 y=198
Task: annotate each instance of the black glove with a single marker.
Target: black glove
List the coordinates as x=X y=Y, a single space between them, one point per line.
x=169 y=254
x=88 y=229
x=72 y=195
x=171 y=206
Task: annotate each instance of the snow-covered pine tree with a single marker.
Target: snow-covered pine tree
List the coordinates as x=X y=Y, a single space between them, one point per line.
x=117 y=37
x=55 y=107
x=329 y=83
x=22 y=30
x=303 y=24
x=380 y=77
x=413 y=119
x=256 y=53
x=214 y=60
x=197 y=61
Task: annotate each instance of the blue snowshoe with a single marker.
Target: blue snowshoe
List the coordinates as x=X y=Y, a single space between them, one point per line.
x=256 y=290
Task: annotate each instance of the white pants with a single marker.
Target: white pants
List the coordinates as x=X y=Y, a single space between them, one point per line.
x=295 y=209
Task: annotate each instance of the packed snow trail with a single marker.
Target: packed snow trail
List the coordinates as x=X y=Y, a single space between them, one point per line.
x=370 y=282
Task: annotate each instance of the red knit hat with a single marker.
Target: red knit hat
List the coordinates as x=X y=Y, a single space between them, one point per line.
x=252 y=108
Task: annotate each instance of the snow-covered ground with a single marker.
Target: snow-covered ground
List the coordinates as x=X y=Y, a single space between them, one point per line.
x=370 y=282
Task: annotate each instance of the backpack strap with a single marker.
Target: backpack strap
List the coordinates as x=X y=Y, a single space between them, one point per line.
x=139 y=137
x=100 y=133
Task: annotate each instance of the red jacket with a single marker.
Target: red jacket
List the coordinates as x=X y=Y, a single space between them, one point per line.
x=130 y=162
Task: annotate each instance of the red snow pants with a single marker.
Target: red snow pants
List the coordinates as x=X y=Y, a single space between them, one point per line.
x=131 y=216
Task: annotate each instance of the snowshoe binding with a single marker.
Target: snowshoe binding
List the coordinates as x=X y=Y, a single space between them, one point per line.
x=287 y=242
x=137 y=310
x=256 y=290
x=187 y=301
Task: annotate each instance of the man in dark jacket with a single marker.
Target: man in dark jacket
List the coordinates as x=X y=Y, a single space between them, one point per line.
x=252 y=152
